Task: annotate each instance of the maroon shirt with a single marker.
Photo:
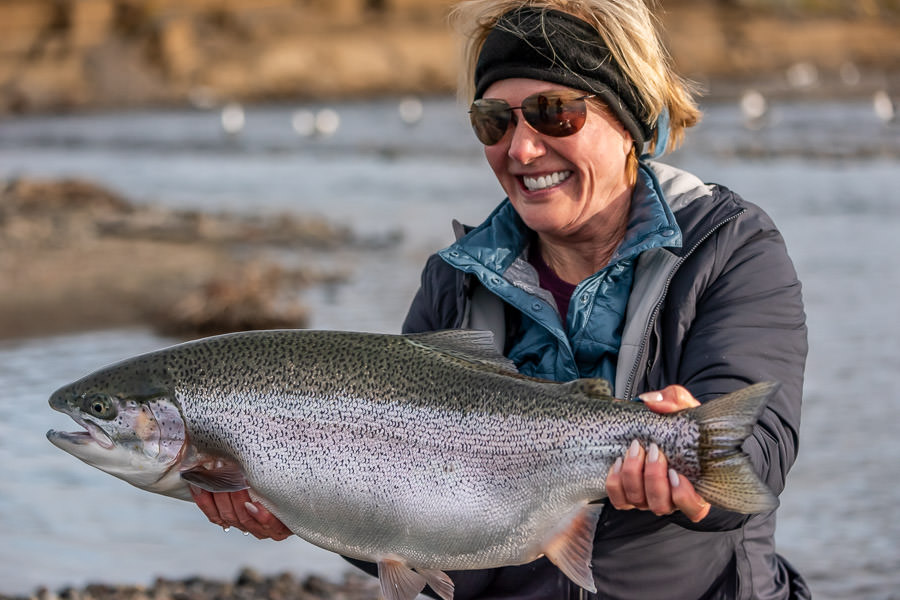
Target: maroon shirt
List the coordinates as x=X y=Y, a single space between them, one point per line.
x=562 y=290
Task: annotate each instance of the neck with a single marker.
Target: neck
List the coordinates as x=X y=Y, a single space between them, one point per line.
x=576 y=257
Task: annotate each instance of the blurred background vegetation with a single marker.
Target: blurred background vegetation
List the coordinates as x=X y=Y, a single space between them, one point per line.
x=99 y=54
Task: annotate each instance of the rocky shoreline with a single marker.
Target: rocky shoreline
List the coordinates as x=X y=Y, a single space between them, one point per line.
x=76 y=256
x=248 y=585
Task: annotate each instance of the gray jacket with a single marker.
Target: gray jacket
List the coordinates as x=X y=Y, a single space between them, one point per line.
x=723 y=311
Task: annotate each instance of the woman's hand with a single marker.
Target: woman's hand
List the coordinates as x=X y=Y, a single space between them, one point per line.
x=642 y=479
x=236 y=509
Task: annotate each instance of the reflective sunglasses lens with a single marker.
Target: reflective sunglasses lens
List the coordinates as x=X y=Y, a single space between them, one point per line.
x=556 y=115
x=490 y=120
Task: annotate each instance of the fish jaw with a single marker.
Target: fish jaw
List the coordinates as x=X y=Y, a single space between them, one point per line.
x=117 y=460
x=129 y=444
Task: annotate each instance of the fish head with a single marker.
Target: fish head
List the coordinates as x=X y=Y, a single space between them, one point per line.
x=132 y=426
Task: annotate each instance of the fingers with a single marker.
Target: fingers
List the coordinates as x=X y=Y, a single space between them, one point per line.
x=614 y=491
x=686 y=499
x=236 y=509
x=669 y=399
x=265 y=525
x=625 y=483
x=227 y=510
x=657 y=487
x=632 y=476
x=642 y=480
x=207 y=504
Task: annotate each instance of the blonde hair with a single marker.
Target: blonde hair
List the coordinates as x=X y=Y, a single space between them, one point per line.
x=627 y=28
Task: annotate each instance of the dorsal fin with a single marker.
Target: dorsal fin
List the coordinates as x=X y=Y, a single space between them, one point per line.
x=465 y=344
x=595 y=387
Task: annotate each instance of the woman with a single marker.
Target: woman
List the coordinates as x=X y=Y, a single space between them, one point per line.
x=603 y=263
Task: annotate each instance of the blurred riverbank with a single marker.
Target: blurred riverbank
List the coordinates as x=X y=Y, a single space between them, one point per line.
x=75 y=255
x=112 y=54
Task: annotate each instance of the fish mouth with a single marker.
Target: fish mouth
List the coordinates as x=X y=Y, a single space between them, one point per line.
x=92 y=434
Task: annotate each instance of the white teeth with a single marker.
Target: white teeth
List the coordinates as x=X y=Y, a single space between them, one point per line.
x=545 y=181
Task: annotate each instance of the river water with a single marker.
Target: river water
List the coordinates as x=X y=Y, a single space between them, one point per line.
x=828 y=172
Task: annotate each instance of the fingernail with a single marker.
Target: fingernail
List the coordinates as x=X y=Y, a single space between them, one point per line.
x=634 y=449
x=251 y=508
x=617 y=466
x=673 y=478
x=651 y=397
x=653 y=453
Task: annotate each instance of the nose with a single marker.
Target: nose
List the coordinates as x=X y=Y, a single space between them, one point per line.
x=526 y=144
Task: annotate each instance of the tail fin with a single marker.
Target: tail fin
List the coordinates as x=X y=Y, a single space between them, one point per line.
x=727 y=478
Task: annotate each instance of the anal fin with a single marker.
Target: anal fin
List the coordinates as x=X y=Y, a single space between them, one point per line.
x=399 y=582
x=571 y=548
x=438 y=581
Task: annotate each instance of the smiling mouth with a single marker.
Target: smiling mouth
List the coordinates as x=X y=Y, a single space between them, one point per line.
x=533 y=184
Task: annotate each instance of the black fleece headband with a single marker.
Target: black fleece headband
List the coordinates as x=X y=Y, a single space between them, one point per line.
x=576 y=56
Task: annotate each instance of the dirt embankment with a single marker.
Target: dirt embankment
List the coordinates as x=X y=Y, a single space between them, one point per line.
x=89 y=54
x=76 y=256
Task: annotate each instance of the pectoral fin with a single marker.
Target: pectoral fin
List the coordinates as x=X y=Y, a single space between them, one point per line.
x=399 y=582
x=572 y=547
x=215 y=475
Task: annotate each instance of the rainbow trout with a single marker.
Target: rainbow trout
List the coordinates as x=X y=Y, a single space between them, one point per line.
x=421 y=453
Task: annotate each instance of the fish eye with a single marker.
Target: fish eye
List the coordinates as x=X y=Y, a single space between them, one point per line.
x=100 y=406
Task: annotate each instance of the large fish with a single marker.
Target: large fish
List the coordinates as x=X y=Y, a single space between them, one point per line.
x=421 y=453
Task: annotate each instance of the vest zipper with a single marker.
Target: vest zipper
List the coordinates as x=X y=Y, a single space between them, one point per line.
x=645 y=338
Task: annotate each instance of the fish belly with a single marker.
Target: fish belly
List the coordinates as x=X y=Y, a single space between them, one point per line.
x=434 y=490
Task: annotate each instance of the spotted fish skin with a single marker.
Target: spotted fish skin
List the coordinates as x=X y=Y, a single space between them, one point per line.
x=423 y=452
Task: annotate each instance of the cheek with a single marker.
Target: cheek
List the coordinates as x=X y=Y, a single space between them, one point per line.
x=145 y=425
x=496 y=158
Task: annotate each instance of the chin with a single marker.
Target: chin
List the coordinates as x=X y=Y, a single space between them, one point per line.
x=540 y=217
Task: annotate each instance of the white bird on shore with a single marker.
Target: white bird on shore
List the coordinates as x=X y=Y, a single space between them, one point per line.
x=754 y=109
x=411 y=110
x=233 y=118
x=328 y=121
x=308 y=124
x=802 y=75
x=202 y=98
x=850 y=74
x=303 y=122
x=885 y=107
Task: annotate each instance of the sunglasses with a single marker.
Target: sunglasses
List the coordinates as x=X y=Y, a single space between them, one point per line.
x=556 y=114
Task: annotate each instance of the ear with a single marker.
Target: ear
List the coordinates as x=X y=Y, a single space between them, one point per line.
x=628 y=145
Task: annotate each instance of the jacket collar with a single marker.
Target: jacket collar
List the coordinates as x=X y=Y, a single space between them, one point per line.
x=685 y=194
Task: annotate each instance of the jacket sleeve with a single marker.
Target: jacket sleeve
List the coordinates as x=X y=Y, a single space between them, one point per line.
x=748 y=326
x=438 y=301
